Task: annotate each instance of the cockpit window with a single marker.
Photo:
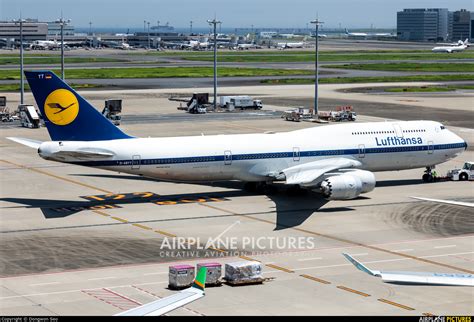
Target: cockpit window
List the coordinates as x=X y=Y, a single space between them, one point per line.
x=442 y=127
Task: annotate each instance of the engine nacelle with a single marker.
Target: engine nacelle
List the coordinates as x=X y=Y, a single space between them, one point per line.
x=348 y=185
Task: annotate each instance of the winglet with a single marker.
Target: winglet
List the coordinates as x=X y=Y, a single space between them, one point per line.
x=361 y=266
x=200 y=281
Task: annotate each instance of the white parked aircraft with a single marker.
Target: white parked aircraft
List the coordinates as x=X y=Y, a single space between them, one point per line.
x=247 y=46
x=45 y=44
x=285 y=45
x=416 y=277
x=365 y=35
x=170 y=303
x=460 y=46
x=337 y=160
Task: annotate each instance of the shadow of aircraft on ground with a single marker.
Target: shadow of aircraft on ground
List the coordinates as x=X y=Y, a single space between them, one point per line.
x=291 y=211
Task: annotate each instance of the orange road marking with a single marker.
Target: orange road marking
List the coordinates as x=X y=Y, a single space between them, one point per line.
x=397 y=304
x=315 y=279
x=352 y=291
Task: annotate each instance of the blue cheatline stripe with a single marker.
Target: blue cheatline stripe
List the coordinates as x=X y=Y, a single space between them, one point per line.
x=271 y=155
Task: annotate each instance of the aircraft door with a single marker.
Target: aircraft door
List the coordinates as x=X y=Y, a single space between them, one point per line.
x=227 y=157
x=430 y=147
x=296 y=154
x=398 y=130
x=361 y=151
x=136 y=161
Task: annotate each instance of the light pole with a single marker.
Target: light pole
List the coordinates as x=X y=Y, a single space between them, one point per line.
x=316 y=66
x=214 y=22
x=191 y=27
x=62 y=23
x=148 y=34
x=22 y=85
x=90 y=34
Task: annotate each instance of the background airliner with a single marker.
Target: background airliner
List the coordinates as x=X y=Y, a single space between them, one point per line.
x=460 y=46
x=337 y=160
x=366 y=35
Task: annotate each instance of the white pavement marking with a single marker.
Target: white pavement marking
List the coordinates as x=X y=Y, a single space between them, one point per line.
x=445 y=246
x=309 y=259
x=73 y=291
x=403 y=250
x=360 y=254
x=102 y=278
x=158 y=273
x=42 y=284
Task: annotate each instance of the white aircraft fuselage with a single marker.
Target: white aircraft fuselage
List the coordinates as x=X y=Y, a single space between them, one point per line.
x=381 y=146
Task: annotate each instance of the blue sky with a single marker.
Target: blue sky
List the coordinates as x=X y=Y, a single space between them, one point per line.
x=236 y=13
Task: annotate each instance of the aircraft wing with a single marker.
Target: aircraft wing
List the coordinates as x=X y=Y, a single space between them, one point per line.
x=170 y=303
x=416 y=277
x=311 y=173
x=428 y=278
x=448 y=202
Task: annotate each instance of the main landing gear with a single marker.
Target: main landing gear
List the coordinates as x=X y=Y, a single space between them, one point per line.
x=260 y=188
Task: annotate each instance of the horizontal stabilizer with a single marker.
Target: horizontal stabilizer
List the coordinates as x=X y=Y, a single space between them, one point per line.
x=28 y=142
x=84 y=154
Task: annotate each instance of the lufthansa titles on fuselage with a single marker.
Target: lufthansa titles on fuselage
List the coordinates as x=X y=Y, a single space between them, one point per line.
x=394 y=141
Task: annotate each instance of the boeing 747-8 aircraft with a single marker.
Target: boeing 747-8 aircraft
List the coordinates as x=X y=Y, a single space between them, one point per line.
x=337 y=160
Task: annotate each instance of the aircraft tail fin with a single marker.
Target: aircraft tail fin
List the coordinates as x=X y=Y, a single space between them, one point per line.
x=200 y=280
x=361 y=266
x=466 y=42
x=67 y=115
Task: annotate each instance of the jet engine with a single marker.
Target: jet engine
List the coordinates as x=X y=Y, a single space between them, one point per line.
x=348 y=185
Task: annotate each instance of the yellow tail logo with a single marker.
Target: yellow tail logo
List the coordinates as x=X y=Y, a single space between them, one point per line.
x=61 y=107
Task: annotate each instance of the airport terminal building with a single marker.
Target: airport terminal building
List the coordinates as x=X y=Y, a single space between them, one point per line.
x=434 y=24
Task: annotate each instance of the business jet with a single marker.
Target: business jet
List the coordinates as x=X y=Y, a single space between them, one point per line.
x=460 y=46
x=170 y=303
x=336 y=160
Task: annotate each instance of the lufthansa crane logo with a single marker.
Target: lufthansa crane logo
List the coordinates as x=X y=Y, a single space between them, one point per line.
x=61 y=107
